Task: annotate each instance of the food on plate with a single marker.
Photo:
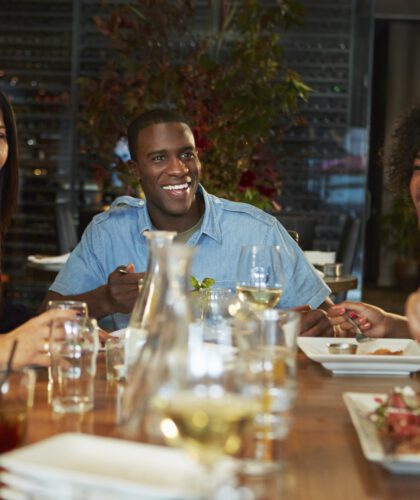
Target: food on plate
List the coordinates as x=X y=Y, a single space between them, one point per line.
x=397 y=419
x=387 y=352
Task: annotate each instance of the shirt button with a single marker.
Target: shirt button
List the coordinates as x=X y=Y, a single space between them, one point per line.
x=141 y=203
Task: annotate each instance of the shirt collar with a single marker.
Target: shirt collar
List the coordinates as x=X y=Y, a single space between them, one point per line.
x=210 y=225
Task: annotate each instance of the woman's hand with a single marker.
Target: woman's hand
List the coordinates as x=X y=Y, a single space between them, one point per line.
x=33 y=339
x=372 y=321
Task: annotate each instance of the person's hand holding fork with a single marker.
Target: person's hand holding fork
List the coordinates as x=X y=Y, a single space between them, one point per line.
x=372 y=321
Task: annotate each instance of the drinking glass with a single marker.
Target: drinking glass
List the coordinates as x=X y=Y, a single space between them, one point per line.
x=114 y=358
x=206 y=409
x=74 y=345
x=260 y=277
x=75 y=305
x=214 y=309
x=267 y=351
x=16 y=398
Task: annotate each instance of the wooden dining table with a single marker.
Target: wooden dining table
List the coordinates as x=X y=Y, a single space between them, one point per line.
x=323 y=459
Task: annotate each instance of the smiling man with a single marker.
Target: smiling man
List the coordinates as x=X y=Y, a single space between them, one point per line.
x=165 y=161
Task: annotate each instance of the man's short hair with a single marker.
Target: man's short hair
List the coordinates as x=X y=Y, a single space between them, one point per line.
x=151 y=117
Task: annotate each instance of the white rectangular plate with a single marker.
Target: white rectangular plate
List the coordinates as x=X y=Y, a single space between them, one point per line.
x=101 y=466
x=363 y=363
x=359 y=406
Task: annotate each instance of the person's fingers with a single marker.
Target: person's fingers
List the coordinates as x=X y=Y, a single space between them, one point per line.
x=315 y=324
x=336 y=311
x=125 y=279
x=42 y=359
x=358 y=307
x=130 y=268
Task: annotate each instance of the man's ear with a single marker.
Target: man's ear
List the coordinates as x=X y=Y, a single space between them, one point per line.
x=134 y=169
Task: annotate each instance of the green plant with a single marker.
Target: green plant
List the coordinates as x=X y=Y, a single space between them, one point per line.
x=400 y=228
x=198 y=285
x=232 y=82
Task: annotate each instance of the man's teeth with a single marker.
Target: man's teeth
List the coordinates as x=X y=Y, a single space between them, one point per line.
x=175 y=187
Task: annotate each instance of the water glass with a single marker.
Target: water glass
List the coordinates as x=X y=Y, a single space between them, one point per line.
x=214 y=309
x=16 y=399
x=74 y=345
x=114 y=358
x=75 y=305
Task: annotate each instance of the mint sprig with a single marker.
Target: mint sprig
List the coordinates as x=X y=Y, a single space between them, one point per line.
x=198 y=285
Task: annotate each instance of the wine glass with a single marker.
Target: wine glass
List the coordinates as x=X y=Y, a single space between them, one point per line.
x=205 y=409
x=260 y=278
x=267 y=348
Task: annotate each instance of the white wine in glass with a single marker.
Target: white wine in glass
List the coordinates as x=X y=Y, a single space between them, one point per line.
x=205 y=409
x=207 y=427
x=260 y=278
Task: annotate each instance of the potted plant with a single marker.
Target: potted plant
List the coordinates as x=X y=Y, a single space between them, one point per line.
x=401 y=235
x=232 y=81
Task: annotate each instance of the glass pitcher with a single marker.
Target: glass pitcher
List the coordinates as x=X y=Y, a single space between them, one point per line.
x=168 y=332
x=149 y=298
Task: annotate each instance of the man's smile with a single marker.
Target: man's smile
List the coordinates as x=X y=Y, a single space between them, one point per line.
x=176 y=187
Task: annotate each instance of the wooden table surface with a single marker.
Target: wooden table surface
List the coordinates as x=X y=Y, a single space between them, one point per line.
x=324 y=457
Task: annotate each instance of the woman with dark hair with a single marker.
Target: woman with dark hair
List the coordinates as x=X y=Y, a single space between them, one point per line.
x=8 y=163
x=33 y=335
x=403 y=169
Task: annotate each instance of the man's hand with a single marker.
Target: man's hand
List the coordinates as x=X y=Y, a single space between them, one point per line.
x=315 y=323
x=122 y=288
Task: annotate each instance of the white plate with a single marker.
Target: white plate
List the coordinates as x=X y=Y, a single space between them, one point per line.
x=359 y=406
x=363 y=363
x=101 y=467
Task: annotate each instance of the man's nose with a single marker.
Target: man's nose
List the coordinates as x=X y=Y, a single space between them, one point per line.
x=176 y=166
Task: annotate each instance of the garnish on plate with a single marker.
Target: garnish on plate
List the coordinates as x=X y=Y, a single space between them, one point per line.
x=397 y=419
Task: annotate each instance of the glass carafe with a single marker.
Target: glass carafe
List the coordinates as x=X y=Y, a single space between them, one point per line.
x=150 y=297
x=168 y=331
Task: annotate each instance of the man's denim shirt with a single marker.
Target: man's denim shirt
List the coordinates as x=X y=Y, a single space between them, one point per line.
x=115 y=238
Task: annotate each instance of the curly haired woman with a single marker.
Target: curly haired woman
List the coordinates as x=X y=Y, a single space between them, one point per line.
x=403 y=169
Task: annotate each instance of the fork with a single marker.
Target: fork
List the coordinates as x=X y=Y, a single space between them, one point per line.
x=360 y=336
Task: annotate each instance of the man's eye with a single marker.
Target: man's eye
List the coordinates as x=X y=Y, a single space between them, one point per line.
x=187 y=155
x=3 y=136
x=158 y=158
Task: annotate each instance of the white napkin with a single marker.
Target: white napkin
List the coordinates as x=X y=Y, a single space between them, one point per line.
x=318 y=258
x=49 y=259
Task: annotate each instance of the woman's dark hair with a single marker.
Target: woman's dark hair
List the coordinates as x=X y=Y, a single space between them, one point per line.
x=9 y=172
x=404 y=148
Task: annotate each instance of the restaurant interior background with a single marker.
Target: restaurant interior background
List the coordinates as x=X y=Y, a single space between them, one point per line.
x=358 y=56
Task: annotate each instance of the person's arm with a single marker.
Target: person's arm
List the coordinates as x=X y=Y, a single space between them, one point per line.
x=32 y=338
x=373 y=321
x=412 y=310
x=118 y=295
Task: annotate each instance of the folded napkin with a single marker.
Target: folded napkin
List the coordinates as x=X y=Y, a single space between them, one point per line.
x=318 y=258
x=74 y=466
x=49 y=259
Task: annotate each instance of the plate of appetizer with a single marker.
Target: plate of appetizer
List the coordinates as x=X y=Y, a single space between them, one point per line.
x=388 y=357
x=388 y=427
